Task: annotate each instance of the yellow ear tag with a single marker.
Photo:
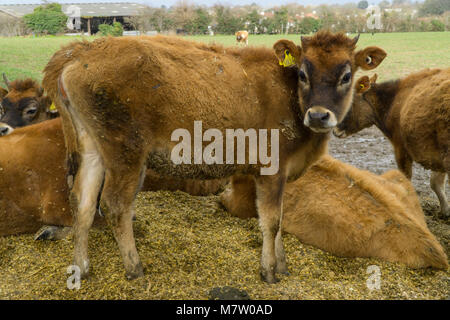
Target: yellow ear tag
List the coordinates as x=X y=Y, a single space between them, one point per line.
x=362 y=86
x=52 y=107
x=288 y=59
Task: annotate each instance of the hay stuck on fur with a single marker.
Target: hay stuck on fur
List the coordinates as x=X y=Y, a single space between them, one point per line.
x=189 y=246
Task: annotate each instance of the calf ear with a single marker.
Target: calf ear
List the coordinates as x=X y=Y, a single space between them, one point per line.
x=3 y=93
x=374 y=78
x=47 y=105
x=287 y=52
x=369 y=58
x=362 y=84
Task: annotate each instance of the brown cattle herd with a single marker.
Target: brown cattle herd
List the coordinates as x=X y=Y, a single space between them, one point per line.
x=113 y=139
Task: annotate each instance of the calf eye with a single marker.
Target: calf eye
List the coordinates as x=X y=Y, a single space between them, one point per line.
x=30 y=112
x=346 y=78
x=302 y=76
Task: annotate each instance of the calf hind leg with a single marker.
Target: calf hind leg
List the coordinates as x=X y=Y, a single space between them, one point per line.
x=117 y=204
x=83 y=200
x=437 y=183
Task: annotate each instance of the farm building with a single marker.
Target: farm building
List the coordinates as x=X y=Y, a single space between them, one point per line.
x=9 y=24
x=91 y=14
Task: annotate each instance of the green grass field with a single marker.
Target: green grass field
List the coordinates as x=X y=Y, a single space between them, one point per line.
x=407 y=52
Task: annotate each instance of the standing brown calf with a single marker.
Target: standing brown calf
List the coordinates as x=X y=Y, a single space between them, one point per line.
x=242 y=37
x=414 y=114
x=358 y=214
x=120 y=114
x=23 y=104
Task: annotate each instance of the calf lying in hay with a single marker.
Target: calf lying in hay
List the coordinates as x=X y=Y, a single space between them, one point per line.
x=358 y=213
x=22 y=104
x=33 y=193
x=33 y=188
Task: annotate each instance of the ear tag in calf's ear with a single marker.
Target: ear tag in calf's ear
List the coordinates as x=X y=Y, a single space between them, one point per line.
x=52 y=108
x=361 y=86
x=288 y=59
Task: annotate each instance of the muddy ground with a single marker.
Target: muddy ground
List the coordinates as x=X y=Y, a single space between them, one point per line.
x=189 y=246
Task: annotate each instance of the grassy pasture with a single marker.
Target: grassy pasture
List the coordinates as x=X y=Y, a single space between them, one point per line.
x=407 y=52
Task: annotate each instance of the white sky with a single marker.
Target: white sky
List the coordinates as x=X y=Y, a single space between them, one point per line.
x=168 y=3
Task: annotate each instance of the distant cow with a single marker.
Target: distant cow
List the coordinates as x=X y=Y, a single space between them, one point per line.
x=358 y=213
x=414 y=114
x=242 y=37
x=22 y=104
x=120 y=114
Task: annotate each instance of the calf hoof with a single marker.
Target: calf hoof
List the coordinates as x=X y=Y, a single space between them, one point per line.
x=282 y=269
x=445 y=213
x=284 y=273
x=269 y=277
x=83 y=271
x=52 y=233
x=46 y=233
x=135 y=273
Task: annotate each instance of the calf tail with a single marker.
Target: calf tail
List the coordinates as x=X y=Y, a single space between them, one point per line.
x=52 y=83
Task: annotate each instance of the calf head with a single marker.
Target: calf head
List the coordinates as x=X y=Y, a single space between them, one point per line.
x=326 y=64
x=361 y=114
x=22 y=104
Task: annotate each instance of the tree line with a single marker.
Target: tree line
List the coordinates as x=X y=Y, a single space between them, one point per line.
x=396 y=16
x=187 y=18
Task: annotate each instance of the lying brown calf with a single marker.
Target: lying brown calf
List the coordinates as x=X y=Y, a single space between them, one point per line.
x=33 y=193
x=22 y=104
x=358 y=213
x=414 y=114
x=33 y=188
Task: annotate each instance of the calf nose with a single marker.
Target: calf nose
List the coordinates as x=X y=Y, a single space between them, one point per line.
x=4 y=130
x=318 y=119
x=319 y=116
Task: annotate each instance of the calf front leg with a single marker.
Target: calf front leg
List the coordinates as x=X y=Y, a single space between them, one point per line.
x=404 y=162
x=269 y=201
x=437 y=183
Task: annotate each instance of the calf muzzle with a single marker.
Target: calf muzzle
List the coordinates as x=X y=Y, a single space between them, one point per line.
x=320 y=119
x=5 y=129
